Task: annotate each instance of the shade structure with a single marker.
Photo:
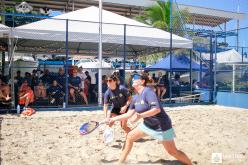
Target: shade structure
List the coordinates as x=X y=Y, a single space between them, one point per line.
x=4 y=31
x=229 y=56
x=85 y=29
x=179 y=63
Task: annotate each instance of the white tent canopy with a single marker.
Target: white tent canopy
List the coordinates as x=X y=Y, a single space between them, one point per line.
x=230 y=56
x=4 y=30
x=88 y=31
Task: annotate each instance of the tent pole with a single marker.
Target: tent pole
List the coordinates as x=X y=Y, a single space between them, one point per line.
x=200 y=67
x=242 y=54
x=233 y=78
x=66 y=67
x=190 y=73
x=100 y=55
x=124 y=51
x=170 y=83
x=211 y=70
x=11 y=71
x=3 y=62
x=215 y=63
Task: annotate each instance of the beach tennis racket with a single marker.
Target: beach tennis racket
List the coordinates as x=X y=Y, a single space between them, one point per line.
x=89 y=127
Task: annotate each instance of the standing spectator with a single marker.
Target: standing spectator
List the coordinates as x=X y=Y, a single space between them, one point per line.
x=35 y=79
x=18 y=78
x=161 y=85
x=88 y=86
x=176 y=85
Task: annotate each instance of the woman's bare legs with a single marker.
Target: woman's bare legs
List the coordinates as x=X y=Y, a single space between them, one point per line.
x=125 y=127
x=163 y=92
x=170 y=147
x=72 y=94
x=84 y=97
x=132 y=136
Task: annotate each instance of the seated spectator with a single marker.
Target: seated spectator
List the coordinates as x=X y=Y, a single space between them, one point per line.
x=28 y=78
x=61 y=79
x=40 y=91
x=55 y=93
x=4 y=91
x=195 y=85
x=74 y=86
x=26 y=95
x=46 y=78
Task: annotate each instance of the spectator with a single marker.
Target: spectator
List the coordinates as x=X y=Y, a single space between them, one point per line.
x=28 y=78
x=46 y=78
x=89 y=87
x=26 y=95
x=154 y=77
x=176 y=81
x=35 y=78
x=18 y=78
x=161 y=90
x=195 y=84
x=4 y=91
x=61 y=79
x=55 y=93
x=74 y=86
x=40 y=91
x=176 y=85
x=82 y=76
x=88 y=76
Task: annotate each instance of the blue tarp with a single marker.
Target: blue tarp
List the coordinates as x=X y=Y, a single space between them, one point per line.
x=179 y=63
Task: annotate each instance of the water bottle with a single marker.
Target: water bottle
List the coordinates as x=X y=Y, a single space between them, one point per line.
x=63 y=104
x=18 y=109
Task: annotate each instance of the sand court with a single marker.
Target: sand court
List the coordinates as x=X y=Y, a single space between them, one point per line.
x=53 y=138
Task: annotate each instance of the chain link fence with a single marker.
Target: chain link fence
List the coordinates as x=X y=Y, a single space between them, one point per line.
x=59 y=66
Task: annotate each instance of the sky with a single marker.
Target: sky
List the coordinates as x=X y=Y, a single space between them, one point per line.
x=227 y=5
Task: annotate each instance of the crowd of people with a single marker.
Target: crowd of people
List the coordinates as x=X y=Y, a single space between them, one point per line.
x=82 y=89
x=50 y=87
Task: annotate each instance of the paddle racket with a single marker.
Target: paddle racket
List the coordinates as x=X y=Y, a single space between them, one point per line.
x=89 y=127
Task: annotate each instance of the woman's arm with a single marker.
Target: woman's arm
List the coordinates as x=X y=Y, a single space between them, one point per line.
x=149 y=113
x=105 y=110
x=124 y=116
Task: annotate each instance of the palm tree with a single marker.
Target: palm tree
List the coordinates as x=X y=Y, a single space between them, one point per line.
x=158 y=16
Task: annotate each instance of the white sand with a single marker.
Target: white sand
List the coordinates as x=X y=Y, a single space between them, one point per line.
x=53 y=138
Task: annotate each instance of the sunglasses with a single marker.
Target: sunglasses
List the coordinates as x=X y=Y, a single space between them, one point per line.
x=110 y=80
